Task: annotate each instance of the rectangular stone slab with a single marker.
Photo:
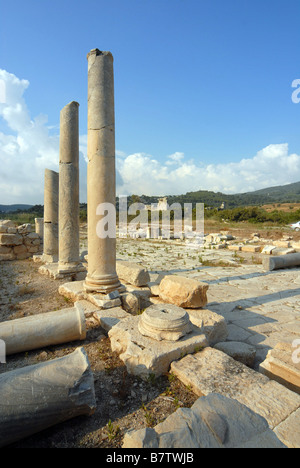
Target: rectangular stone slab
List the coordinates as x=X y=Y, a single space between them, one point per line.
x=212 y=371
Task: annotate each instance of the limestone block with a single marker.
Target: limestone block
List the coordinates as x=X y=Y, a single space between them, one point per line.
x=143 y=355
x=211 y=371
x=25 y=228
x=282 y=244
x=12 y=230
x=130 y=302
x=239 y=351
x=183 y=292
x=20 y=249
x=235 y=247
x=211 y=422
x=280 y=366
x=36 y=397
x=132 y=273
x=213 y=325
x=268 y=249
x=5 y=250
x=11 y=239
x=251 y=248
x=7 y=223
x=108 y=318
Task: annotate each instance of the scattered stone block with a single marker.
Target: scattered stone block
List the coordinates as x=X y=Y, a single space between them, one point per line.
x=211 y=422
x=233 y=247
x=280 y=366
x=251 y=248
x=213 y=325
x=110 y=317
x=183 y=292
x=132 y=273
x=268 y=249
x=239 y=351
x=282 y=244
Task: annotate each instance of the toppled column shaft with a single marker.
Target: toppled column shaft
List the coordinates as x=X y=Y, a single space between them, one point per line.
x=101 y=190
x=50 y=253
x=36 y=397
x=37 y=331
x=69 y=189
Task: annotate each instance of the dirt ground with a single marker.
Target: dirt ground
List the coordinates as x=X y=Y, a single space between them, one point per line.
x=124 y=402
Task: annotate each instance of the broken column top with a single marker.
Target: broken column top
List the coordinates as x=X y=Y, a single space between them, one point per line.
x=98 y=52
x=164 y=322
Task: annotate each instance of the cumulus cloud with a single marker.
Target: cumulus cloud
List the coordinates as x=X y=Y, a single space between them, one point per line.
x=142 y=174
x=28 y=146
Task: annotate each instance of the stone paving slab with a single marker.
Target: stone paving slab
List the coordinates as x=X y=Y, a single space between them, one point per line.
x=212 y=371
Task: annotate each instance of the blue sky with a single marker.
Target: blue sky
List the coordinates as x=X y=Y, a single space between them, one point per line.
x=202 y=90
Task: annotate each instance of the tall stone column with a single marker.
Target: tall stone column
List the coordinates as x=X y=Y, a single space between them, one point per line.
x=101 y=185
x=50 y=252
x=69 y=189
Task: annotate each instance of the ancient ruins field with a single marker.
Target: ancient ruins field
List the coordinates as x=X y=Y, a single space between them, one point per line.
x=260 y=309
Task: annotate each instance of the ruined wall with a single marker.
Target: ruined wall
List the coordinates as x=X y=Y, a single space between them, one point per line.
x=18 y=243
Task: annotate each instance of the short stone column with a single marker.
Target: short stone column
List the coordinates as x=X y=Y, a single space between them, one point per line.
x=69 y=189
x=101 y=190
x=39 y=227
x=50 y=252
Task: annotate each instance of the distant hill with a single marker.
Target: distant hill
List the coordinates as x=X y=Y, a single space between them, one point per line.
x=289 y=193
x=13 y=208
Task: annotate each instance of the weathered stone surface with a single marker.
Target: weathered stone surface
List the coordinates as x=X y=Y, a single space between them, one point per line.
x=36 y=397
x=11 y=239
x=69 y=189
x=211 y=371
x=213 y=325
x=18 y=249
x=183 y=292
x=101 y=174
x=211 y=422
x=143 y=355
x=165 y=322
x=251 y=248
x=132 y=273
x=282 y=261
x=51 y=192
x=280 y=366
x=239 y=351
x=41 y=330
x=108 y=318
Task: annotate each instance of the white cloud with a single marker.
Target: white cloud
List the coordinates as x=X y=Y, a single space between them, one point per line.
x=28 y=150
x=273 y=165
x=27 y=147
